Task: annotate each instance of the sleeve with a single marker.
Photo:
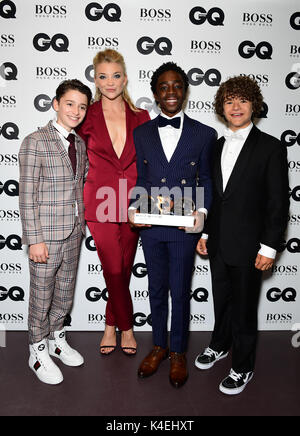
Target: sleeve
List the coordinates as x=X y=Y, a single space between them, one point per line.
x=30 y=166
x=140 y=187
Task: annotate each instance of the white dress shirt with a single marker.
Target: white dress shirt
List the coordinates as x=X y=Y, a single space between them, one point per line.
x=233 y=145
x=63 y=134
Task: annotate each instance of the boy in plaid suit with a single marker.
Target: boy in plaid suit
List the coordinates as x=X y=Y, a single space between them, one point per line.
x=53 y=165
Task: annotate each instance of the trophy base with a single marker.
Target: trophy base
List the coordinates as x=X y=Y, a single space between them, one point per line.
x=165 y=220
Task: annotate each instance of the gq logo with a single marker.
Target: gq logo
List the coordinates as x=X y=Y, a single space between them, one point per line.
x=295 y=193
x=90 y=244
x=140 y=319
x=149 y=105
x=15 y=293
x=139 y=270
x=59 y=42
x=95 y=294
x=8 y=71
x=263 y=50
x=42 y=103
x=7 y=9
x=212 y=77
x=287 y=295
x=9 y=131
x=111 y=12
x=13 y=242
x=215 y=16
x=292 y=80
x=10 y=188
x=289 y=138
x=295 y=21
x=162 y=46
x=292 y=246
x=200 y=295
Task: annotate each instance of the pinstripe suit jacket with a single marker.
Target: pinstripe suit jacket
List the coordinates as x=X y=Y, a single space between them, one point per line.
x=48 y=189
x=189 y=167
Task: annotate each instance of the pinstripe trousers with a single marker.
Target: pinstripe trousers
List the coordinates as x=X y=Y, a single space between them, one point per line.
x=52 y=286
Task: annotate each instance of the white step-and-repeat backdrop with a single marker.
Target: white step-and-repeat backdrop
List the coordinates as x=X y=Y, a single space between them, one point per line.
x=45 y=42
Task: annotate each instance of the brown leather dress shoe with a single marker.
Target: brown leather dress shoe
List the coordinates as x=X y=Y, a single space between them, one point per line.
x=178 y=369
x=152 y=361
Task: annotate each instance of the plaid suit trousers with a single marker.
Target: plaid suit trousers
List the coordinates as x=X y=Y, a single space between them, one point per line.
x=52 y=286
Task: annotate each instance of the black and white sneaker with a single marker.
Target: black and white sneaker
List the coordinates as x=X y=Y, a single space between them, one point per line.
x=235 y=383
x=208 y=358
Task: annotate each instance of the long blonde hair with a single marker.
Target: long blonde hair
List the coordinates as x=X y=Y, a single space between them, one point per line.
x=110 y=55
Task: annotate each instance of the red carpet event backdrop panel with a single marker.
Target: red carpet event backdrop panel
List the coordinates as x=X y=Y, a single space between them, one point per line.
x=46 y=42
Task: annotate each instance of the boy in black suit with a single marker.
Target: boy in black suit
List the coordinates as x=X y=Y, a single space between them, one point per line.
x=244 y=229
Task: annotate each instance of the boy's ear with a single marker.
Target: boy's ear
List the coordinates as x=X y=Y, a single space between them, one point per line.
x=55 y=104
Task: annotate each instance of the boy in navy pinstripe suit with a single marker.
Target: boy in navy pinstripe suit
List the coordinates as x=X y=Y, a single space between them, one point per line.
x=172 y=151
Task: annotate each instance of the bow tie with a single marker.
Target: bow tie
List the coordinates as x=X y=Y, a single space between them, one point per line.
x=174 y=122
x=229 y=134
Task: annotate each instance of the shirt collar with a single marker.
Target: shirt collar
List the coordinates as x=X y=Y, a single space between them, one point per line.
x=240 y=132
x=62 y=130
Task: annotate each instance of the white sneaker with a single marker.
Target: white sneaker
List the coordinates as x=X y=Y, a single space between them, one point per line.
x=236 y=382
x=209 y=357
x=59 y=348
x=42 y=365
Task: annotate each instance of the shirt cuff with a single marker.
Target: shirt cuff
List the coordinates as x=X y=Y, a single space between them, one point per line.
x=267 y=251
x=203 y=210
x=204 y=236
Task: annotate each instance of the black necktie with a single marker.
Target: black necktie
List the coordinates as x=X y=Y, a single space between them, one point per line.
x=174 y=122
x=72 y=151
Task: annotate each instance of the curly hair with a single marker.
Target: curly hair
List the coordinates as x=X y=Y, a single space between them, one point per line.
x=168 y=66
x=239 y=86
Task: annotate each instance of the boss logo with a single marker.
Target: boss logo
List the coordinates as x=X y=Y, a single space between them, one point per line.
x=7 y=9
x=200 y=269
x=261 y=79
x=8 y=71
x=8 y=100
x=96 y=318
x=15 y=293
x=279 y=317
x=139 y=270
x=215 y=16
x=287 y=295
x=295 y=21
x=148 y=104
x=292 y=109
x=200 y=295
x=208 y=46
x=285 y=269
x=7 y=40
x=197 y=318
x=162 y=46
x=263 y=50
x=12 y=317
x=295 y=50
x=289 y=138
x=94 y=269
x=9 y=215
x=145 y=75
x=140 y=319
x=95 y=294
x=292 y=80
x=96 y=42
x=55 y=10
x=13 y=242
x=90 y=244
x=10 y=188
x=10 y=267
x=111 y=12
x=51 y=72
x=294 y=219
x=201 y=106
x=59 y=42
x=9 y=159
x=212 y=77
x=42 y=102
x=295 y=193
x=255 y=18
x=159 y=14
x=141 y=295
x=294 y=165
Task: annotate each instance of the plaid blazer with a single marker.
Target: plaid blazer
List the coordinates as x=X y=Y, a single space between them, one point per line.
x=48 y=189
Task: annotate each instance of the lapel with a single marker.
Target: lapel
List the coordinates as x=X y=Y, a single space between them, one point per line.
x=51 y=137
x=128 y=153
x=156 y=145
x=217 y=167
x=242 y=161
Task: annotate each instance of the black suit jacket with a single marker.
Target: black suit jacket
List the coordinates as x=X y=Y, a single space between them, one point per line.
x=253 y=209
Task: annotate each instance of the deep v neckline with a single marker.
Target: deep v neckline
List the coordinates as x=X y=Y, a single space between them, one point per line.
x=108 y=134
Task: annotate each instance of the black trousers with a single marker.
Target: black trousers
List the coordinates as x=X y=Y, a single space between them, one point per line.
x=236 y=294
